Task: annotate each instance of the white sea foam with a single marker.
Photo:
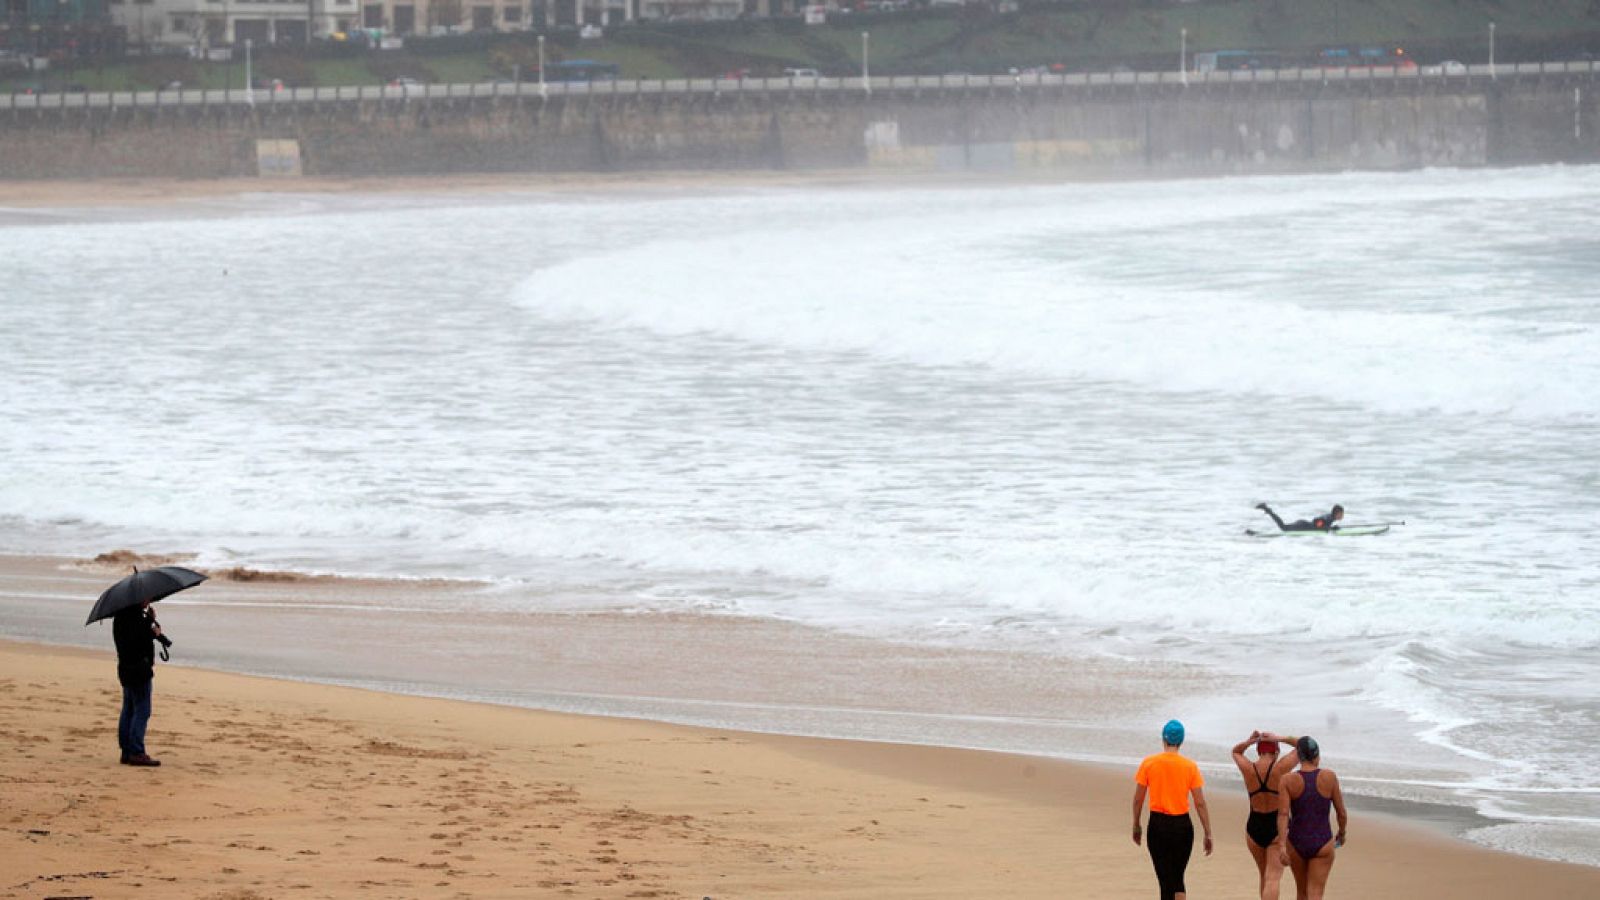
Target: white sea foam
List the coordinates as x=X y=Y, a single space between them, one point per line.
x=963 y=291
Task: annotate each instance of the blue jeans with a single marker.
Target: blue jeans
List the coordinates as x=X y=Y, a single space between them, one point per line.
x=135 y=716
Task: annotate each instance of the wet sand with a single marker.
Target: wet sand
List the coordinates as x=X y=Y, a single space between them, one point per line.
x=155 y=192
x=275 y=788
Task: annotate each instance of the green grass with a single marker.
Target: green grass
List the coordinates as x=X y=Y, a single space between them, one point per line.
x=458 y=69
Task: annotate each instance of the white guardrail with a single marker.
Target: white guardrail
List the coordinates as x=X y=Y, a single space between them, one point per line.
x=264 y=97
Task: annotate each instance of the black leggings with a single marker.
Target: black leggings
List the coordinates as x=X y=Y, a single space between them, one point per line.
x=1297 y=525
x=1171 y=840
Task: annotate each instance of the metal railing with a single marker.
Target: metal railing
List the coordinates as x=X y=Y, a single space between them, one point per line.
x=718 y=86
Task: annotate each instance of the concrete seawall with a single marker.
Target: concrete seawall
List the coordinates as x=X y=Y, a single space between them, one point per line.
x=1084 y=130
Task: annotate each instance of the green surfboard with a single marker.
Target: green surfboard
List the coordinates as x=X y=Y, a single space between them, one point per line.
x=1351 y=531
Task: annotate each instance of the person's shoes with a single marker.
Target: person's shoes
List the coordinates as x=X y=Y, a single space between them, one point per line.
x=125 y=759
x=142 y=759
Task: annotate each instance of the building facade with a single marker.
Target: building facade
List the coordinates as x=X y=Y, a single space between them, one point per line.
x=442 y=16
x=693 y=10
x=57 y=29
x=204 y=24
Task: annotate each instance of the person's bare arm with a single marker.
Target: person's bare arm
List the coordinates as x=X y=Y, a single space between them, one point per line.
x=1281 y=842
x=1239 y=759
x=1338 y=810
x=1138 y=807
x=1205 y=815
x=1288 y=760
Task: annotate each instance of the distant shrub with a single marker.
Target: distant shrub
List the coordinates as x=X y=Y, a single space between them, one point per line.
x=450 y=44
x=510 y=57
x=389 y=66
x=291 y=70
x=164 y=70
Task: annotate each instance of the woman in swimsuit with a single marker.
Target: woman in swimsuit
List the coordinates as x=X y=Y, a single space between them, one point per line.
x=1305 y=844
x=1262 y=778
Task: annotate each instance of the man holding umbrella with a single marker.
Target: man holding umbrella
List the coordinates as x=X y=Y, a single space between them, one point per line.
x=136 y=631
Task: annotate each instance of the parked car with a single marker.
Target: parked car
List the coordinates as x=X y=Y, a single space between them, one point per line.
x=802 y=73
x=409 y=87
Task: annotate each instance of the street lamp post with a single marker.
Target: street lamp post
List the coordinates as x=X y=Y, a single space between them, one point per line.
x=1492 y=75
x=1183 y=55
x=541 y=67
x=249 y=82
x=866 y=75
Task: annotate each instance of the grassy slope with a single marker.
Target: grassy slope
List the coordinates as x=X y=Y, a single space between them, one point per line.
x=972 y=42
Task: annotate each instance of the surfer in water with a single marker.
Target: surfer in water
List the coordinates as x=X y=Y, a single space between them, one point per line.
x=1329 y=521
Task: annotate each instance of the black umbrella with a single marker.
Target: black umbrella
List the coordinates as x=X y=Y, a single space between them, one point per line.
x=151 y=584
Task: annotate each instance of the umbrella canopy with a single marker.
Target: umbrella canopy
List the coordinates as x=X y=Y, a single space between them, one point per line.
x=151 y=584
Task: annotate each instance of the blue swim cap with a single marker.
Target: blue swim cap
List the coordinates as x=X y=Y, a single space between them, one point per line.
x=1172 y=733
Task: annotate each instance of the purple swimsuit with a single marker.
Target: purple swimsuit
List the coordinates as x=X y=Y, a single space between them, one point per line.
x=1308 y=818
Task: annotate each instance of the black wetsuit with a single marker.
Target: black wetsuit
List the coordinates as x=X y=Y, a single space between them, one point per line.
x=1320 y=523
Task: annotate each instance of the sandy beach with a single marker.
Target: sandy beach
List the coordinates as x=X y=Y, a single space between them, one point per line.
x=150 y=194
x=274 y=788
x=155 y=192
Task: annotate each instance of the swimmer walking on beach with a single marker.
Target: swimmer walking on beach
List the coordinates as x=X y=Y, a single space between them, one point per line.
x=1305 y=843
x=1169 y=779
x=1264 y=779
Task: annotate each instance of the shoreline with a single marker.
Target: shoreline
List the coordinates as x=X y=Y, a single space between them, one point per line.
x=277 y=788
x=150 y=192
x=101 y=198
x=579 y=661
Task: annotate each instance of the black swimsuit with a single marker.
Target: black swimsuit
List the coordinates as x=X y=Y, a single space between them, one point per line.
x=1262 y=827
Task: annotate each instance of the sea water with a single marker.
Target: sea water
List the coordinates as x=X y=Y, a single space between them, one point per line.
x=1017 y=418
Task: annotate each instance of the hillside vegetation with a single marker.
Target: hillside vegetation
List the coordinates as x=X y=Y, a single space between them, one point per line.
x=1077 y=35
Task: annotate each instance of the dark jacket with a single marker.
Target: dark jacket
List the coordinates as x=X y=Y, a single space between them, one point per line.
x=136 y=646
